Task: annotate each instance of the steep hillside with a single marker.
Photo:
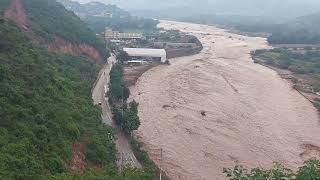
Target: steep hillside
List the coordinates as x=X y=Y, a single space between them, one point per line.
x=49 y=127
x=93 y=9
x=45 y=107
x=303 y=30
x=41 y=21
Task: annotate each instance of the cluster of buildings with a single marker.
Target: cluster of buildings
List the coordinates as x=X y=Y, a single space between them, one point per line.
x=137 y=55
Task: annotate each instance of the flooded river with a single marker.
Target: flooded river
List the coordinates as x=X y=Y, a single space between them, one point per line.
x=217 y=109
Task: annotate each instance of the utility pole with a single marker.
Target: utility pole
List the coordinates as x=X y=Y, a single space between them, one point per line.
x=160 y=164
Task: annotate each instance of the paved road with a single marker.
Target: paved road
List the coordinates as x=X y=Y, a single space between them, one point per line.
x=125 y=154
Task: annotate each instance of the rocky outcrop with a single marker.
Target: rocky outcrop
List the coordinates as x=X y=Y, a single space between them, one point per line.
x=17 y=13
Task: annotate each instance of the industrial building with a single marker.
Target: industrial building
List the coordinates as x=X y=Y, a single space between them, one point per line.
x=144 y=54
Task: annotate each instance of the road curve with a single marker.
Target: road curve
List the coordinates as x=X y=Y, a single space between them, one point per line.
x=218 y=109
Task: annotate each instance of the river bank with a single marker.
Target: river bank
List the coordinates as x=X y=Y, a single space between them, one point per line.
x=217 y=109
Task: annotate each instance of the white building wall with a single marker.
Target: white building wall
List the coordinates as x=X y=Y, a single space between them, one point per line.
x=144 y=52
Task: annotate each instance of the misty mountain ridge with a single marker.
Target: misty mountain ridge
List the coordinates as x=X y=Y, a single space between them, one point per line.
x=94 y=8
x=270 y=8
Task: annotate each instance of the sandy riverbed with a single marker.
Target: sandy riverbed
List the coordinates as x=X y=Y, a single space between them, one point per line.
x=252 y=116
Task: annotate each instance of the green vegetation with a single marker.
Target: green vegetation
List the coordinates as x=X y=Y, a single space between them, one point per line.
x=143 y=157
x=49 y=18
x=131 y=24
x=305 y=62
x=94 y=8
x=131 y=120
x=106 y=174
x=122 y=56
x=118 y=90
x=46 y=106
x=93 y=14
x=304 y=65
x=310 y=171
x=279 y=30
x=126 y=117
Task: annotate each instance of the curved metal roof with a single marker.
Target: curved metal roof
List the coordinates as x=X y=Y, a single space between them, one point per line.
x=146 y=52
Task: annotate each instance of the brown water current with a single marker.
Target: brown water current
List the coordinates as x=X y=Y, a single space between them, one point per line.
x=217 y=109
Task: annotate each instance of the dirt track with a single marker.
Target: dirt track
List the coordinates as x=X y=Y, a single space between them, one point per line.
x=252 y=116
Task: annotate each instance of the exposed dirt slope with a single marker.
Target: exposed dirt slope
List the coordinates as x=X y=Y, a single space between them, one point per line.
x=60 y=45
x=16 y=12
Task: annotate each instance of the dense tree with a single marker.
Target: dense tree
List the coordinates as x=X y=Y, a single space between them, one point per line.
x=122 y=56
x=310 y=171
x=126 y=117
x=45 y=106
x=131 y=119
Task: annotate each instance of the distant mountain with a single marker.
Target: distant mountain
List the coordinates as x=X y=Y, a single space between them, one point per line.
x=94 y=9
x=99 y=16
x=303 y=30
x=269 y=8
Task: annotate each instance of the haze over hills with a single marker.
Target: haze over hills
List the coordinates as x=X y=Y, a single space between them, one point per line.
x=270 y=8
x=302 y=30
x=93 y=8
x=99 y=16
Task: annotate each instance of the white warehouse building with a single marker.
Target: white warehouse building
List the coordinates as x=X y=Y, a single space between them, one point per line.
x=149 y=53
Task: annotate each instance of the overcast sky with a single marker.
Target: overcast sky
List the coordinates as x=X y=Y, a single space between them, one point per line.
x=246 y=7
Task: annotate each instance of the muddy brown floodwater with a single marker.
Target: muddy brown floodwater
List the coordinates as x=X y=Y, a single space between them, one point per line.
x=218 y=109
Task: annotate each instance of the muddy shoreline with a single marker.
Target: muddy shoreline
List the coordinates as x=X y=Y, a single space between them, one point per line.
x=252 y=116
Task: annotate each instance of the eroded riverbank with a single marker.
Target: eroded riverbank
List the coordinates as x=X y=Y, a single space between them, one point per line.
x=217 y=109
